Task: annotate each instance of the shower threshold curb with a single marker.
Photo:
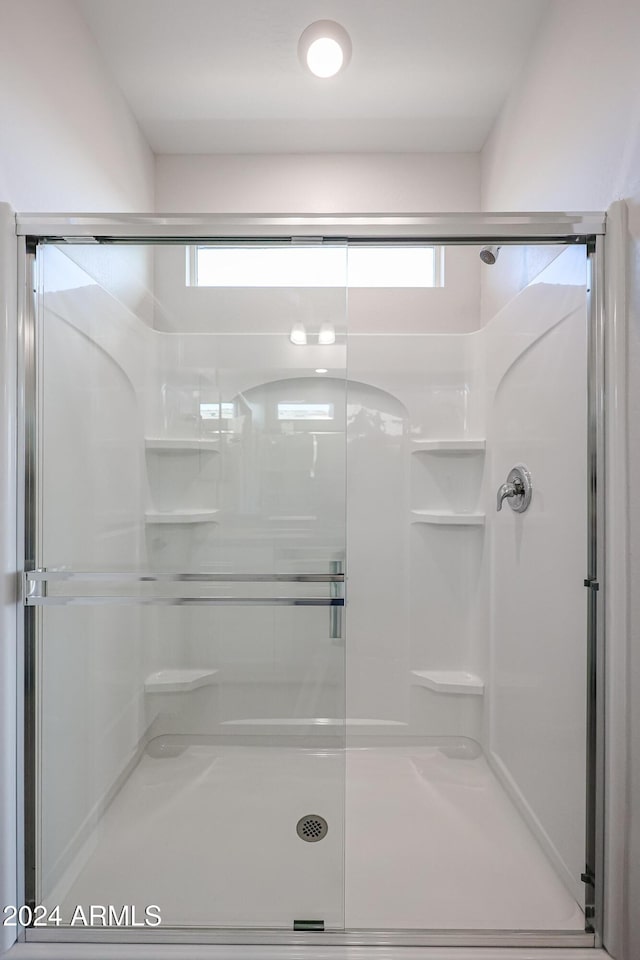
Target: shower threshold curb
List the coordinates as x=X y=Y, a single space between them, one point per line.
x=263 y=938
x=112 y=951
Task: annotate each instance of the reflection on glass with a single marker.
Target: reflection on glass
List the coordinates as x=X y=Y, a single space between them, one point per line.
x=217 y=411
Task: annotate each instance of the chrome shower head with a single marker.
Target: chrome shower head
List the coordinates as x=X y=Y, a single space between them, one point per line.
x=489 y=254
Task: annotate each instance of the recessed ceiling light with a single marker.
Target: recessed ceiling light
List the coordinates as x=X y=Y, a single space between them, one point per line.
x=324 y=48
x=322 y=370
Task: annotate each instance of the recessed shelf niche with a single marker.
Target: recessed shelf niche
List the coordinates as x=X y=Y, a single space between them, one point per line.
x=183 y=475
x=446 y=480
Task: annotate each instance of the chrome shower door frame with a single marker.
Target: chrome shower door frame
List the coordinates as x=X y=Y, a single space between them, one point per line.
x=586 y=229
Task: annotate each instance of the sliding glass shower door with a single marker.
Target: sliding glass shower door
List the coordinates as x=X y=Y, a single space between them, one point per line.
x=185 y=594
x=196 y=758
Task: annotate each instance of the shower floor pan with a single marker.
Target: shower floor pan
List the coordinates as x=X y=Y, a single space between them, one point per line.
x=423 y=838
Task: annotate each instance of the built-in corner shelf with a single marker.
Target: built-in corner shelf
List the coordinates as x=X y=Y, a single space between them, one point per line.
x=181 y=444
x=181 y=516
x=446 y=518
x=181 y=680
x=462 y=445
x=449 y=681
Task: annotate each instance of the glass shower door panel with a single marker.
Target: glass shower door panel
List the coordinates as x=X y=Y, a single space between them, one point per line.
x=467 y=655
x=162 y=787
x=537 y=416
x=188 y=610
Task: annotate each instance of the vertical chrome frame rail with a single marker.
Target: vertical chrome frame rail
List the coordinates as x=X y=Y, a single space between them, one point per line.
x=616 y=610
x=596 y=586
x=446 y=229
x=28 y=548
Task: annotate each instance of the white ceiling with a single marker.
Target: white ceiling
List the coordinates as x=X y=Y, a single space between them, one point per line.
x=223 y=76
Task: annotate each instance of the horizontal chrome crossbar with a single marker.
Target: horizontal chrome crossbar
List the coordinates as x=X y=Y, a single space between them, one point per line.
x=143 y=576
x=37 y=595
x=77 y=601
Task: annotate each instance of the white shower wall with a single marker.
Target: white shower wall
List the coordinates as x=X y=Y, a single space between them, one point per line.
x=93 y=495
x=536 y=365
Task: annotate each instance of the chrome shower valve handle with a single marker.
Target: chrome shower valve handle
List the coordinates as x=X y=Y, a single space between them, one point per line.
x=518 y=489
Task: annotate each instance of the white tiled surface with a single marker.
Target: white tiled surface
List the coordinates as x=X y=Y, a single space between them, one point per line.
x=432 y=842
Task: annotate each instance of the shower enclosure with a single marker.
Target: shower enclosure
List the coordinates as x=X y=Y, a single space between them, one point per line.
x=293 y=674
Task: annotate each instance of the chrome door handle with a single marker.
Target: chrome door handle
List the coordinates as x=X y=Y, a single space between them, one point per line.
x=335 y=610
x=518 y=489
x=37 y=591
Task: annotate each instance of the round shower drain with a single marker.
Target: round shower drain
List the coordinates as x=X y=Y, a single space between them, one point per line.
x=312 y=828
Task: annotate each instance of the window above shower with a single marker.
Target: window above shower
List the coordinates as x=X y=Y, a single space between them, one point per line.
x=316 y=265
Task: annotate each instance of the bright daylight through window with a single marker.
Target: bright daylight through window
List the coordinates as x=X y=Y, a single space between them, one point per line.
x=315 y=266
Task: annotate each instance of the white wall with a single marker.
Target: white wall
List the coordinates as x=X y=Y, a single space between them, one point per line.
x=68 y=140
x=568 y=138
x=323 y=183
x=8 y=584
